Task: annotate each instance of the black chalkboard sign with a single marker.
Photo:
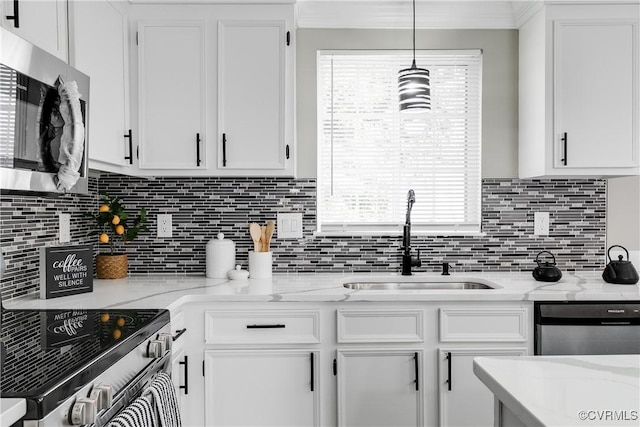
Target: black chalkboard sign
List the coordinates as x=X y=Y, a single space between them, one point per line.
x=66 y=270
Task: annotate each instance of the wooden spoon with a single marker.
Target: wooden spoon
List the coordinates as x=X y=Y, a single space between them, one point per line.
x=263 y=238
x=271 y=226
x=256 y=233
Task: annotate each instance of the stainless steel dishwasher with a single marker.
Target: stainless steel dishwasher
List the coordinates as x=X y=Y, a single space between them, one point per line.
x=601 y=327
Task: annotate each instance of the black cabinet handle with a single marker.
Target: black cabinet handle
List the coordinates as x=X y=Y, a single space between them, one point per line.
x=16 y=14
x=276 y=326
x=224 y=149
x=335 y=367
x=130 y=156
x=449 y=370
x=415 y=366
x=286 y=151
x=198 y=149
x=185 y=387
x=564 y=149
x=179 y=334
x=312 y=373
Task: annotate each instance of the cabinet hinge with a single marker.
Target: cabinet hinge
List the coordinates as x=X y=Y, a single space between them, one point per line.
x=288 y=38
x=203 y=368
x=335 y=367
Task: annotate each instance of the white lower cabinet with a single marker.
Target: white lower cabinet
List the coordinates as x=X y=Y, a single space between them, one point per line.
x=460 y=388
x=379 y=387
x=261 y=388
x=179 y=370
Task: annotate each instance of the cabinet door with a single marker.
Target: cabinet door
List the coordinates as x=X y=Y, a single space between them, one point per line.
x=380 y=387
x=41 y=22
x=460 y=388
x=99 y=49
x=596 y=104
x=251 y=95
x=171 y=83
x=261 y=388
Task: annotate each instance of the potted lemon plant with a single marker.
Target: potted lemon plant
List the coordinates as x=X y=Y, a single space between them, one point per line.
x=113 y=225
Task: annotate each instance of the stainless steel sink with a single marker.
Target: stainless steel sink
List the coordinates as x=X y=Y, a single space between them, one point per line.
x=399 y=286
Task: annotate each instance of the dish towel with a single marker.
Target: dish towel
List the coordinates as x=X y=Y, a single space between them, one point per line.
x=140 y=413
x=165 y=400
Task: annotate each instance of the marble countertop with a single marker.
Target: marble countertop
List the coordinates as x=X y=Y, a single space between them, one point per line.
x=566 y=390
x=170 y=291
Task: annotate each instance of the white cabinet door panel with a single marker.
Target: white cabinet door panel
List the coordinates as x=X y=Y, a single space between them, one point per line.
x=251 y=94
x=594 y=93
x=172 y=94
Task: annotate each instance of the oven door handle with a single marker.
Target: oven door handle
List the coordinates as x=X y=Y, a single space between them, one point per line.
x=179 y=334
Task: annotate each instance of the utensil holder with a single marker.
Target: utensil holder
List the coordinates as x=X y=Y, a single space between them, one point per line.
x=260 y=265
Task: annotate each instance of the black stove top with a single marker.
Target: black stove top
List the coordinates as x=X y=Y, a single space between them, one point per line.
x=53 y=352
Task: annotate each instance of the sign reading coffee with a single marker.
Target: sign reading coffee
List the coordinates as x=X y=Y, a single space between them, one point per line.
x=66 y=270
x=66 y=327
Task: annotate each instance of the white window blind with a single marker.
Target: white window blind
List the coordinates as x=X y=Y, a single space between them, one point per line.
x=370 y=155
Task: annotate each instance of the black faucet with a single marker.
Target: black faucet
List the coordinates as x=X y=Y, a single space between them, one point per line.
x=409 y=261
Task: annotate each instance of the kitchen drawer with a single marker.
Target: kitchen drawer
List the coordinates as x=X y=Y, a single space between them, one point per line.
x=363 y=326
x=483 y=324
x=262 y=327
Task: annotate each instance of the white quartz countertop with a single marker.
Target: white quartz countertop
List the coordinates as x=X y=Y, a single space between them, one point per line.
x=566 y=390
x=12 y=410
x=170 y=291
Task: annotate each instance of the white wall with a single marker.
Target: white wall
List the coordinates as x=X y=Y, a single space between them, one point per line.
x=499 y=85
x=623 y=215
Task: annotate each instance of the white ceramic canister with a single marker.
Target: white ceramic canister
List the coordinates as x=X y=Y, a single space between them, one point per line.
x=221 y=257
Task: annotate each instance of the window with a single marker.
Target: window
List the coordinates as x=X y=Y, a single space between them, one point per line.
x=370 y=155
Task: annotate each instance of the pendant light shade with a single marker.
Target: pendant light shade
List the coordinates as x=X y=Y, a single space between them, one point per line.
x=413 y=83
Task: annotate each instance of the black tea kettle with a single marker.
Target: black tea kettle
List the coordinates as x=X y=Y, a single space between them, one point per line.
x=620 y=272
x=546 y=271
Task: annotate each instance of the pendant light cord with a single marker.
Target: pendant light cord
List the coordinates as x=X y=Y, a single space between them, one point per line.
x=413 y=64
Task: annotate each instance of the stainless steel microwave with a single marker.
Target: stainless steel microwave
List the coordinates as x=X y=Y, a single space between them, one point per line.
x=32 y=147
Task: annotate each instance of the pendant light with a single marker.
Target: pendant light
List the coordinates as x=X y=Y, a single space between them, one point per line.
x=413 y=83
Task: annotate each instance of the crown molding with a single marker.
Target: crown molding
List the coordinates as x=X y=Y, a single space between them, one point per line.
x=379 y=14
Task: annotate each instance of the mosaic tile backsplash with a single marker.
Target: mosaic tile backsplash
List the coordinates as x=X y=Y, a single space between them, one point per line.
x=203 y=207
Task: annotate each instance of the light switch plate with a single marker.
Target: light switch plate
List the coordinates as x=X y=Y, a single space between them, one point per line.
x=289 y=226
x=64 y=227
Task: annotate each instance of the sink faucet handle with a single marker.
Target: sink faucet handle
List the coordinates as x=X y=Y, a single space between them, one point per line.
x=445 y=269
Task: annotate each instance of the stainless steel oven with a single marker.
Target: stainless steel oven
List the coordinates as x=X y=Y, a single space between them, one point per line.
x=563 y=328
x=81 y=367
x=43 y=131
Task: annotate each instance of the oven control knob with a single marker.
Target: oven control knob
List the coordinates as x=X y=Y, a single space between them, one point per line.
x=168 y=340
x=83 y=411
x=103 y=394
x=155 y=349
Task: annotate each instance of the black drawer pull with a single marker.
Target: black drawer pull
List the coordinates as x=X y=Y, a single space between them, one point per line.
x=276 y=326
x=179 y=333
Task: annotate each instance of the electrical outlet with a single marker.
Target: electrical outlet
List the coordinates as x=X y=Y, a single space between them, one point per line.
x=165 y=228
x=64 y=227
x=541 y=223
x=289 y=226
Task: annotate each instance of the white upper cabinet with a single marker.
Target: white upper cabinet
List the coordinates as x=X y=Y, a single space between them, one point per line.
x=171 y=85
x=41 y=22
x=579 y=91
x=215 y=84
x=253 y=121
x=99 y=49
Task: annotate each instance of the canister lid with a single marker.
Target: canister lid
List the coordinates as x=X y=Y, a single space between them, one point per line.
x=238 y=273
x=220 y=241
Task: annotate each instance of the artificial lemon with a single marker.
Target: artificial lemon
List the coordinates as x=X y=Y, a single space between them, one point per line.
x=120 y=322
x=104 y=317
x=104 y=208
x=104 y=238
x=119 y=229
x=117 y=334
x=115 y=220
